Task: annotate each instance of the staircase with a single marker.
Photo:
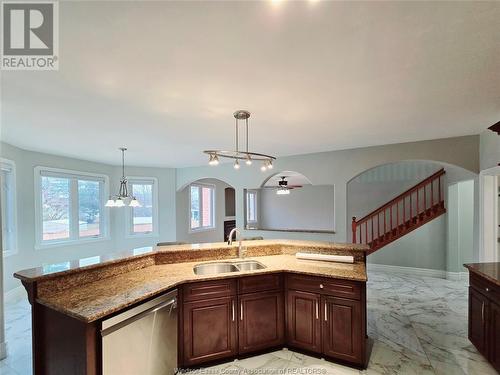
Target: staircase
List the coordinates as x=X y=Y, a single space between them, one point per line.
x=401 y=215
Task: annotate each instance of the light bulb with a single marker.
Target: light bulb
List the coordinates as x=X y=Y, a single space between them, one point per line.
x=134 y=203
x=214 y=160
x=249 y=160
x=269 y=164
x=263 y=168
x=119 y=203
x=283 y=191
x=110 y=203
x=236 y=164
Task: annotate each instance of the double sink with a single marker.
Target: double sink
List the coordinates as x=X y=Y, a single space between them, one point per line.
x=223 y=267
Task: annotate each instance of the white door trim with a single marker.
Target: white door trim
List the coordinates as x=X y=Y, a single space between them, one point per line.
x=488 y=215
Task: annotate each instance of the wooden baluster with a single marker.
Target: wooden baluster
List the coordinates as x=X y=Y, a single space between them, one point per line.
x=418 y=206
x=391 y=218
x=404 y=210
x=411 y=207
x=371 y=219
x=425 y=199
x=397 y=215
x=378 y=225
x=432 y=194
x=353 y=225
x=385 y=222
x=366 y=231
x=439 y=187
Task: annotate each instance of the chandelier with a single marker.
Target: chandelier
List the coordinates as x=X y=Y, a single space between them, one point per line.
x=237 y=155
x=123 y=198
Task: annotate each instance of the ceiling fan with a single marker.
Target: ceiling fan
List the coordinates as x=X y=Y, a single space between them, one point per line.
x=283 y=188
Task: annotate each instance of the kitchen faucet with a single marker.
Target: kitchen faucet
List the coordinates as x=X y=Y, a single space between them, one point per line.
x=241 y=252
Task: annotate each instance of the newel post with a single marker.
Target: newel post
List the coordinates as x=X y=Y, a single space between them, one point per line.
x=354 y=229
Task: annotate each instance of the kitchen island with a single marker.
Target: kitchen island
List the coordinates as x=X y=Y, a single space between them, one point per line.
x=317 y=307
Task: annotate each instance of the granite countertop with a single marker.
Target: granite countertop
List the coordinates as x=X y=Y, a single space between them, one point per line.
x=98 y=299
x=490 y=271
x=48 y=271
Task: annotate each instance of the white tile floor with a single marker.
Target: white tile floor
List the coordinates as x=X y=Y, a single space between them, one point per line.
x=418 y=326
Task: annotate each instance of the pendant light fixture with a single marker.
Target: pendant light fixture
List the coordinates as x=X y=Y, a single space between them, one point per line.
x=123 y=198
x=237 y=155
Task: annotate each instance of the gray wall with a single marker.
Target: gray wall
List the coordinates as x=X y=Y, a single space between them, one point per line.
x=182 y=217
x=310 y=207
x=337 y=168
x=27 y=256
x=490 y=149
x=425 y=247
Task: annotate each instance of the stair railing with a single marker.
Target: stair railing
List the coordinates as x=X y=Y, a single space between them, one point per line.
x=402 y=214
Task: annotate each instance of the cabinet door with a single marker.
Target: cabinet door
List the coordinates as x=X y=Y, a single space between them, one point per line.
x=478 y=311
x=342 y=331
x=261 y=322
x=304 y=322
x=494 y=330
x=209 y=330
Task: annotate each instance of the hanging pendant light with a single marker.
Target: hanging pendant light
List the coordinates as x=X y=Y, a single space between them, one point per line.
x=237 y=155
x=123 y=198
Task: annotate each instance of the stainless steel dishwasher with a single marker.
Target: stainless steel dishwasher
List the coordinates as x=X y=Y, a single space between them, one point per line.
x=142 y=340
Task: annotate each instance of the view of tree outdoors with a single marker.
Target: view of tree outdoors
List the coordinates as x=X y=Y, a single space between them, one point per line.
x=143 y=216
x=55 y=207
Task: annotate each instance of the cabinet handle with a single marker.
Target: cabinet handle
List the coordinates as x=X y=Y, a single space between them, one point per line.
x=233 y=311
x=317 y=310
x=241 y=310
x=487 y=289
x=326 y=313
x=321 y=286
x=482 y=311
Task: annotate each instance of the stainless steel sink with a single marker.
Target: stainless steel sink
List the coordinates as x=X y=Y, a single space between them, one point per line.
x=214 y=268
x=223 y=267
x=249 y=265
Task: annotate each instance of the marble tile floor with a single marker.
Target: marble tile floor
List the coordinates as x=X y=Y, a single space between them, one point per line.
x=418 y=326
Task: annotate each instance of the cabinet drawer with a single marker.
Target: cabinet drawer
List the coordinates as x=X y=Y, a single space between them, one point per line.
x=332 y=287
x=259 y=283
x=490 y=290
x=209 y=289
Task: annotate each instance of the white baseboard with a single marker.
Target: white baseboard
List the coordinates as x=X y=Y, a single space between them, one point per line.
x=426 y=272
x=457 y=276
x=15 y=295
x=3 y=350
x=406 y=270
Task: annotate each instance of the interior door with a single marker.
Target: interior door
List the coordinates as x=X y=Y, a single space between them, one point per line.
x=261 y=321
x=304 y=321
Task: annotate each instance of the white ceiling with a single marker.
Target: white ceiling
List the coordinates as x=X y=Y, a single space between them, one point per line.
x=164 y=78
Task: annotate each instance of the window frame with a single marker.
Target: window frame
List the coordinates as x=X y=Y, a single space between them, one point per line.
x=213 y=227
x=74 y=238
x=129 y=223
x=12 y=165
x=248 y=221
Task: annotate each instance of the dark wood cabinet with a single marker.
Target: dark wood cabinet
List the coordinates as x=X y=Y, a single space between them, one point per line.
x=304 y=320
x=495 y=335
x=342 y=329
x=327 y=316
x=261 y=324
x=478 y=311
x=209 y=330
x=484 y=318
x=225 y=318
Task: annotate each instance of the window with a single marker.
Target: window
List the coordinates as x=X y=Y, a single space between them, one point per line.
x=143 y=219
x=202 y=215
x=251 y=207
x=70 y=206
x=8 y=206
